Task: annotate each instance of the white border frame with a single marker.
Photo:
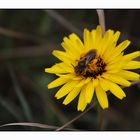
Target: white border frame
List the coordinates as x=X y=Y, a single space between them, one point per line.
x=69 y=4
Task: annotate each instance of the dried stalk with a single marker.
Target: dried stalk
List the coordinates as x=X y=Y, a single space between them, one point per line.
x=19 y=35
x=77 y=117
x=60 y=19
x=101 y=17
x=38 y=125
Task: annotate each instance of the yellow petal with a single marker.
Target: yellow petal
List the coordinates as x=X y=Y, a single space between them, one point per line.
x=95 y=82
x=70 y=76
x=69 y=46
x=132 y=65
x=98 y=33
x=117 y=60
x=118 y=50
x=109 y=42
x=102 y=97
x=129 y=75
x=70 y=69
x=109 y=45
x=71 y=96
x=131 y=56
x=55 y=69
x=75 y=38
x=93 y=39
x=116 y=36
x=86 y=39
x=69 y=50
x=108 y=52
x=60 y=68
x=89 y=92
x=113 y=68
x=82 y=82
x=104 y=43
x=82 y=101
x=90 y=42
x=122 y=47
x=77 y=43
x=78 y=78
x=60 y=81
x=115 y=89
x=66 y=89
x=116 y=79
x=62 y=56
x=96 y=37
x=66 y=67
x=103 y=84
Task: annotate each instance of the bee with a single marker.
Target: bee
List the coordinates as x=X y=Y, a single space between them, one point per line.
x=83 y=62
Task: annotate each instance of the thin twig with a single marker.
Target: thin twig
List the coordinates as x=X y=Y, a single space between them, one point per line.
x=77 y=117
x=39 y=125
x=101 y=17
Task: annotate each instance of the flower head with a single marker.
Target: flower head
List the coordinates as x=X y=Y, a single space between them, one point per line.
x=94 y=66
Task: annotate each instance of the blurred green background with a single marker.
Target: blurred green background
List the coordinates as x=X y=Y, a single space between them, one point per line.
x=27 y=38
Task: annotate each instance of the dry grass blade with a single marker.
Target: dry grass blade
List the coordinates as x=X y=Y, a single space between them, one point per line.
x=18 y=35
x=77 y=117
x=39 y=125
x=22 y=99
x=101 y=17
x=11 y=108
x=63 y=21
x=27 y=52
x=135 y=83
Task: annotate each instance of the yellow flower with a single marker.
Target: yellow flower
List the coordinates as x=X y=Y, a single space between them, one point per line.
x=94 y=66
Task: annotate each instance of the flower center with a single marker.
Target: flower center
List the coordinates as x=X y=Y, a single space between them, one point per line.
x=90 y=65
